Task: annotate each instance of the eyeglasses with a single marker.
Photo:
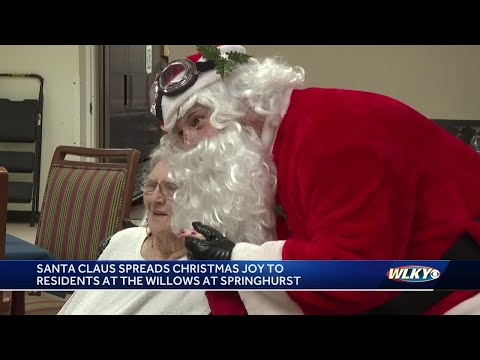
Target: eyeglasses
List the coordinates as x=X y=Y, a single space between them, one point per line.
x=166 y=188
x=178 y=76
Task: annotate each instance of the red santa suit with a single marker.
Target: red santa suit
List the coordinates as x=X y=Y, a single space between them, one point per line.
x=361 y=176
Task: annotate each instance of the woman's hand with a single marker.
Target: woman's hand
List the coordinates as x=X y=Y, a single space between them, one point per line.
x=215 y=246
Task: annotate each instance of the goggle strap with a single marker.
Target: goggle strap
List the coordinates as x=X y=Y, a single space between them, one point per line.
x=158 y=106
x=203 y=66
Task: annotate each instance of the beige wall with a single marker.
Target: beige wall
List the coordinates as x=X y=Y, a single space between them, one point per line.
x=443 y=82
x=59 y=66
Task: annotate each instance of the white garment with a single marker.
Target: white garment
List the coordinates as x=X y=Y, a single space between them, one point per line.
x=126 y=245
x=470 y=306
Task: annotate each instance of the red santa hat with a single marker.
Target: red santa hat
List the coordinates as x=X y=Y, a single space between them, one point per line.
x=170 y=104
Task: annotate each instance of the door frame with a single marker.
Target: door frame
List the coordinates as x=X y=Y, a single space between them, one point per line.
x=86 y=91
x=100 y=80
x=91 y=93
x=102 y=58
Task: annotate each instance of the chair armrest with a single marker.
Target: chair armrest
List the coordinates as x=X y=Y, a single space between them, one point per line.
x=102 y=245
x=128 y=224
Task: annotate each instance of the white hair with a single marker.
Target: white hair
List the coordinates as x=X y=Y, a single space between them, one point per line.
x=257 y=90
x=229 y=181
x=160 y=153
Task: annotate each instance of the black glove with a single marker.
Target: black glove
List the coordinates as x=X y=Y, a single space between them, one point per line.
x=214 y=247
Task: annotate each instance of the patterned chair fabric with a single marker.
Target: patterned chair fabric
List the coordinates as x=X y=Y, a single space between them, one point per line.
x=84 y=202
x=81 y=207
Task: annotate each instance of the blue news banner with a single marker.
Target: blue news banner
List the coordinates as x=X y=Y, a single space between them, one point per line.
x=240 y=275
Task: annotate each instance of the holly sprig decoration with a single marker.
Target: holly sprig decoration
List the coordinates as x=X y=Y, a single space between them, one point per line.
x=223 y=64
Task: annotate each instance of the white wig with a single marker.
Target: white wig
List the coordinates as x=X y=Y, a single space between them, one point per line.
x=257 y=90
x=229 y=181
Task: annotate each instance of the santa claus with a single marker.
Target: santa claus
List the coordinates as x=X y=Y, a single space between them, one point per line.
x=271 y=171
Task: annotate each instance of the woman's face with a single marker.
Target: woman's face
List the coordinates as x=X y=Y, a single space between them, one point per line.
x=157 y=198
x=194 y=127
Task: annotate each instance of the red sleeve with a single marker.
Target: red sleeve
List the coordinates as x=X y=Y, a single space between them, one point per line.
x=357 y=205
x=225 y=303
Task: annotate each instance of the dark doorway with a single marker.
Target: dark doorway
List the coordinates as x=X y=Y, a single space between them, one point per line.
x=126 y=75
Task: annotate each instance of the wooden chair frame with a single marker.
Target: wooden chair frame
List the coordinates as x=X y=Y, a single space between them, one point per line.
x=104 y=160
x=132 y=157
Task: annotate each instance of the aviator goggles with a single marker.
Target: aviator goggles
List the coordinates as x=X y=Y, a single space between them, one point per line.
x=178 y=76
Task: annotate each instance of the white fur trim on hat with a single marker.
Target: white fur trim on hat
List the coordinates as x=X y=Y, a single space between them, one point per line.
x=170 y=104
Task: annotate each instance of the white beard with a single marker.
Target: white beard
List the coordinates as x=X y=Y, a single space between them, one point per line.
x=227 y=182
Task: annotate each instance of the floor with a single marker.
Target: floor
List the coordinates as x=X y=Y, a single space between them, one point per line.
x=23 y=231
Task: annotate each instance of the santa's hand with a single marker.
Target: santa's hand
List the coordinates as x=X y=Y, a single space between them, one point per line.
x=214 y=247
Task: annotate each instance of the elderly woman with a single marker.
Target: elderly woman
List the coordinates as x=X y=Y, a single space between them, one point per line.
x=155 y=241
